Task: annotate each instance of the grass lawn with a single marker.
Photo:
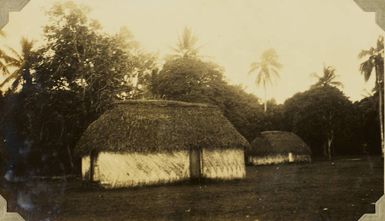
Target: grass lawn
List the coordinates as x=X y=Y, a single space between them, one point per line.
x=316 y=191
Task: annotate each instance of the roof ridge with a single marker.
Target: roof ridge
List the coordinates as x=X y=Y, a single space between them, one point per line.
x=163 y=103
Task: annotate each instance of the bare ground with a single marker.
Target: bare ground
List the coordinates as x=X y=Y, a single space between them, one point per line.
x=320 y=191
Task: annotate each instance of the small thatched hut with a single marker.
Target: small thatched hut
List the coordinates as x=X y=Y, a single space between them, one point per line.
x=151 y=142
x=273 y=147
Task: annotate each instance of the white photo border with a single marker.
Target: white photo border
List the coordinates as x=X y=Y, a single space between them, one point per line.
x=376 y=6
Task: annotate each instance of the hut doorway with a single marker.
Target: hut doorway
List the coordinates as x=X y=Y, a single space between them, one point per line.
x=195 y=163
x=93 y=158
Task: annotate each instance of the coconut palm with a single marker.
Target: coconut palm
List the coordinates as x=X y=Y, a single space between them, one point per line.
x=267 y=69
x=187 y=45
x=375 y=63
x=19 y=63
x=328 y=78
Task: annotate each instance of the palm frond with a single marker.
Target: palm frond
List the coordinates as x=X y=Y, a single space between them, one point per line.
x=253 y=67
x=15 y=54
x=365 y=53
x=2 y=53
x=276 y=64
x=337 y=84
x=328 y=78
x=186 y=45
x=4 y=68
x=380 y=43
x=275 y=72
x=10 y=60
x=314 y=75
x=259 y=78
x=16 y=83
x=14 y=75
x=366 y=68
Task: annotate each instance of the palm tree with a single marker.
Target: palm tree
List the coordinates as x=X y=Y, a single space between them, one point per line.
x=328 y=78
x=20 y=63
x=187 y=45
x=267 y=68
x=375 y=62
x=3 y=66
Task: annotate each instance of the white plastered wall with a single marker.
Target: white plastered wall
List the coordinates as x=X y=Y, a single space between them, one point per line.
x=223 y=164
x=86 y=167
x=114 y=170
x=135 y=169
x=279 y=158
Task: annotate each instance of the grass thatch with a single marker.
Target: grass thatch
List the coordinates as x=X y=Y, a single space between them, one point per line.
x=157 y=126
x=278 y=142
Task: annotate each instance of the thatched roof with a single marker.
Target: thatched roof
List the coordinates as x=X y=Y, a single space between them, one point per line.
x=278 y=142
x=155 y=126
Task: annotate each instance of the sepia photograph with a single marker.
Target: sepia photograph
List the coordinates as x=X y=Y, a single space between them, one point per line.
x=249 y=110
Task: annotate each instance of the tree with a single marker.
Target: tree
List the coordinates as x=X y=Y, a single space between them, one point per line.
x=21 y=63
x=188 y=79
x=369 y=131
x=324 y=117
x=328 y=78
x=79 y=57
x=187 y=45
x=375 y=62
x=273 y=118
x=16 y=68
x=267 y=68
x=142 y=65
x=191 y=79
x=77 y=74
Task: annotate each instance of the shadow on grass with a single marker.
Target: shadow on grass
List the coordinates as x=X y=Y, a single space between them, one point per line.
x=87 y=186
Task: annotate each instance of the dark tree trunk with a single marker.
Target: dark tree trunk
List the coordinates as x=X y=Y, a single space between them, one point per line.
x=379 y=68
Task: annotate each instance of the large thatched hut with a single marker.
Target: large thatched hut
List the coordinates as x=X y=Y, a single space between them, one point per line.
x=273 y=147
x=151 y=142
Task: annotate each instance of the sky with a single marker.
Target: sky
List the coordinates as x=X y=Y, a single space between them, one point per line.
x=307 y=34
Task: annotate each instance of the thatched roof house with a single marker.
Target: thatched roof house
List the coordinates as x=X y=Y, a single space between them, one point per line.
x=271 y=147
x=146 y=142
